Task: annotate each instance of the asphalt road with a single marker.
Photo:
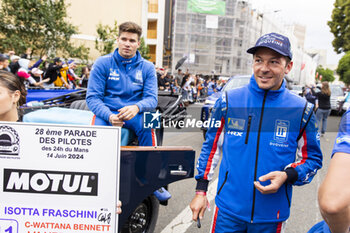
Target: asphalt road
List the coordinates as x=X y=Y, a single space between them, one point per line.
x=176 y=217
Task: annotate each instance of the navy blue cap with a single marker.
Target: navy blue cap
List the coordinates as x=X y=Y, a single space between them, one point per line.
x=273 y=41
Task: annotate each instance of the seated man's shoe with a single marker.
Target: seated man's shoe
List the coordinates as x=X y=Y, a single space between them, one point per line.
x=162 y=194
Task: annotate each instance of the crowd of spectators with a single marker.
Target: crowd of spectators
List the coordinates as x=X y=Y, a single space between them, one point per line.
x=192 y=87
x=42 y=73
x=45 y=73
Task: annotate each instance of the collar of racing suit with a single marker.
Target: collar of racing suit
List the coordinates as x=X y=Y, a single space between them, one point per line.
x=127 y=61
x=272 y=94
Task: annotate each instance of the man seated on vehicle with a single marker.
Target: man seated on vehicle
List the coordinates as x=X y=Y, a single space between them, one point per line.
x=123 y=85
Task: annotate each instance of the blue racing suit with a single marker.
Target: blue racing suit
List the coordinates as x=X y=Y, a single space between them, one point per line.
x=116 y=82
x=261 y=131
x=342 y=142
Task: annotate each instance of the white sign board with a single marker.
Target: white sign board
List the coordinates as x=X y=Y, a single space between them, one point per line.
x=56 y=178
x=212 y=21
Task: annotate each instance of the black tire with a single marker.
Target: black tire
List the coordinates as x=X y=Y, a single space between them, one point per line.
x=144 y=217
x=80 y=105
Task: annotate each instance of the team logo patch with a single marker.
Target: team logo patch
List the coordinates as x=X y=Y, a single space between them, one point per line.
x=343 y=139
x=151 y=120
x=235 y=123
x=281 y=130
x=138 y=77
x=114 y=74
x=9 y=141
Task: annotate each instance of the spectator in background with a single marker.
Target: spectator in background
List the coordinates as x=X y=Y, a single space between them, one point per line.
x=53 y=72
x=10 y=54
x=178 y=79
x=163 y=82
x=36 y=73
x=63 y=80
x=200 y=88
x=73 y=79
x=14 y=66
x=85 y=74
x=4 y=63
x=28 y=79
x=323 y=107
x=27 y=54
x=309 y=93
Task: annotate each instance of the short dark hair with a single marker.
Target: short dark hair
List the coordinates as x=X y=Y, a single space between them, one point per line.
x=130 y=27
x=2 y=58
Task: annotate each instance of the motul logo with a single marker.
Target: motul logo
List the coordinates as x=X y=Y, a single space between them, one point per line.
x=52 y=182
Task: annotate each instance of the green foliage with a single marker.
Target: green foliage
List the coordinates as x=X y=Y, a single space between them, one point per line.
x=144 y=49
x=38 y=24
x=327 y=74
x=344 y=68
x=339 y=26
x=106 y=38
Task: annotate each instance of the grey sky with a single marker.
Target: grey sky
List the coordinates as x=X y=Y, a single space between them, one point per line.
x=314 y=14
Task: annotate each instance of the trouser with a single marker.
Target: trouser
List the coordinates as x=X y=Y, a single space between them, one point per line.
x=321 y=116
x=228 y=224
x=146 y=136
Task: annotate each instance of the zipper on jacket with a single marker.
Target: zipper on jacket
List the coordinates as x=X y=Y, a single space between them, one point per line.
x=286 y=185
x=223 y=183
x=257 y=155
x=248 y=129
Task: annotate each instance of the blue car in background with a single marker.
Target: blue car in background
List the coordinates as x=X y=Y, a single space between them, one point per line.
x=234 y=82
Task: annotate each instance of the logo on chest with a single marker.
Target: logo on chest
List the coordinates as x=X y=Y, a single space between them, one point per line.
x=138 y=78
x=281 y=130
x=235 y=123
x=114 y=74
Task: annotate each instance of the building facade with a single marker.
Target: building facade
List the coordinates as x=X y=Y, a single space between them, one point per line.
x=212 y=39
x=149 y=14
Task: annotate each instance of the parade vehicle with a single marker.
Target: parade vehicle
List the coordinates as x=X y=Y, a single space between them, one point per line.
x=142 y=169
x=234 y=82
x=337 y=98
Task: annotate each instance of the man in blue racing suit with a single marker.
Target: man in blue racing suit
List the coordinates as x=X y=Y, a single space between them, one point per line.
x=123 y=85
x=269 y=142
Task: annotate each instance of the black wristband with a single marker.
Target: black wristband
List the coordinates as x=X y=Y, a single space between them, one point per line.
x=202 y=185
x=292 y=175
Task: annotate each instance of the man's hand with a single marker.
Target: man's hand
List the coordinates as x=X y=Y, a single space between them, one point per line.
x=119 y=207
x=115 y=121
x=198 y=205
x=128 y=112
x=277 y=179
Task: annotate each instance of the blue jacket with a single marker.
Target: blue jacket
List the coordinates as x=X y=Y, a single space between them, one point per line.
x=116 y=82
x=342 y=142
x=261 y=131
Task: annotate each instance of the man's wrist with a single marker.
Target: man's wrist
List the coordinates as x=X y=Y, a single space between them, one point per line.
x=201 y=193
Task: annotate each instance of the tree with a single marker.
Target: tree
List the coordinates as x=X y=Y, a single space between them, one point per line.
x=144 y=49
x=327 y=74
x=344 y=68
x=339 y=26
x=106 y=38
x=38 y=24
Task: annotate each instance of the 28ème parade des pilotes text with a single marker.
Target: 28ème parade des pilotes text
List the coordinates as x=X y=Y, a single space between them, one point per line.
x=65 y=144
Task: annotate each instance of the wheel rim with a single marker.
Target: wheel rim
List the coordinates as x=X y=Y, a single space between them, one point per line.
x=140 y=218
